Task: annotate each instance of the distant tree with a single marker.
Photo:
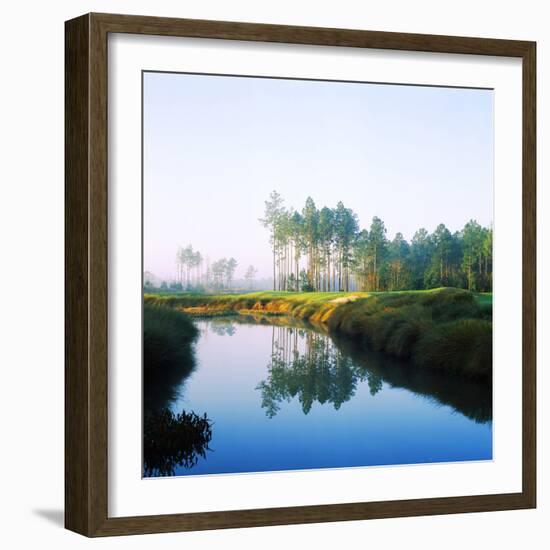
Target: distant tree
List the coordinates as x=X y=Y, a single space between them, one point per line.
x=147 y=286
x=219 y=269
x=197 y=264
x=149 y=281
x=180 y=262
x=249 y=275
x=230 y=267
x=185 y=259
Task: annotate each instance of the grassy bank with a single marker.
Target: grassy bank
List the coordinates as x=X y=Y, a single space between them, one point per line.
x=167 y=352
x=444 y=329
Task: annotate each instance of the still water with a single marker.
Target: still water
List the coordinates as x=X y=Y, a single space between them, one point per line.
x=287 y=397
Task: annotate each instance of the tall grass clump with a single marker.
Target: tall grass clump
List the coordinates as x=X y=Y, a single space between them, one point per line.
x=445 y=329
x=167 y=352
x=403 y=340
x=463 y=346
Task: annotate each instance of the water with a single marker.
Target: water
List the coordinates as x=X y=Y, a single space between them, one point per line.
x=287 y=397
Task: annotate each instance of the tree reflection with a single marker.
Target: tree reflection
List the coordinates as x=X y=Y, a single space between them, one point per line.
x=374 y=382
x=307 y=365
x=222 y=329
x=315 y=367
x=472 y=398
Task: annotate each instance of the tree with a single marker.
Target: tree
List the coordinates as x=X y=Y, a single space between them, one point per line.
x=438 y=274
x=197 y=264
x=185 y=259
x=325 y=249
x=361 y=259
x=219 y=269
x=150 y=282
x=310 y=216
x=273 y=211
x=283 y=254
x=398 y=264
x=305 y=284
x=249 y=275
x=296 y=229
x=180 y=264
x=293 y=282
x=326 y=240
x=472 y=245
x=230 y=266
x=346 y=227
x=377 y=247
x=421 y=252
x=488 y=259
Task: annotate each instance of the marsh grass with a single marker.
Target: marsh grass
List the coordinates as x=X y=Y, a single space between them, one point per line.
x=461 y=346
x=167 y=352
x=447 y=330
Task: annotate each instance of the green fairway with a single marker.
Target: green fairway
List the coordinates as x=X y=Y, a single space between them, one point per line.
x=484 y=298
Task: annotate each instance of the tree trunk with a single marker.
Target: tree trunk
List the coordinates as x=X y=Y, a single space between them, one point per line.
x=375 y=271
x=274 y=287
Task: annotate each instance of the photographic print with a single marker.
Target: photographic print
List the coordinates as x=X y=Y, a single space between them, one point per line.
x=317 y=274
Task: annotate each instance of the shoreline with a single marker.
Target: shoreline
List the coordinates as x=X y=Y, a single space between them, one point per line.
x=444 y=329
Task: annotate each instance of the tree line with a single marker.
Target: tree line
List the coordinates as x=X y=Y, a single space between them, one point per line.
x=326 y=250
x=194 y=271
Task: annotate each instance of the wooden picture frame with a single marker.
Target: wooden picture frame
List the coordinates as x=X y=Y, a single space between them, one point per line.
x=86 y=283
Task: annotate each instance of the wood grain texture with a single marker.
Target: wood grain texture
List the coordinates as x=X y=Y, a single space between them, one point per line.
x=77 y=153
x=86 y=257
x=529 y=274
x=165 y=26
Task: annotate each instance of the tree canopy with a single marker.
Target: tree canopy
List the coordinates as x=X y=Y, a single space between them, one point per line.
x=325 y=249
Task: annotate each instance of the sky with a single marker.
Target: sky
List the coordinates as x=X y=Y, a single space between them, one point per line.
x=216 y=146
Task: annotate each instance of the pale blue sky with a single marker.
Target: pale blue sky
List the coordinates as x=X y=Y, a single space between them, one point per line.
x=216 y=146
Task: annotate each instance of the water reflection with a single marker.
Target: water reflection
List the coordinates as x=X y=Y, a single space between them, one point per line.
x=285 y=395
x=307 y=365
x=223 y=329
x=472 y=398
x=173 y=440
x=315 y=367
x=163 y=381
x=170 y=440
